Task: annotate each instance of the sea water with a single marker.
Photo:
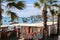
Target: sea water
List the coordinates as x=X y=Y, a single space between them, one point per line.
x=7 y=20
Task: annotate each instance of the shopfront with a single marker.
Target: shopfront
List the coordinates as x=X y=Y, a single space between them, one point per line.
x=28 y=31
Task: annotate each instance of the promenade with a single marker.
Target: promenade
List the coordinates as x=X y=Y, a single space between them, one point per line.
x=15 y=38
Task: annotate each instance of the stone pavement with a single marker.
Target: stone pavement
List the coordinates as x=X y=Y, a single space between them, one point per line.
x=10 y=38
x=15 y=38
x=59 y=37
x=53 y=38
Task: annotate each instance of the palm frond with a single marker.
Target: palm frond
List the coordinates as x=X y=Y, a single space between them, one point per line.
x=8 y=12
x=48 y=6
x=21 y=4
x=36 y=4
x=1 y=10
x=52 y=1
x=10 y=0
x=1 y=0
x=58 y=6
x=42 y=1
x=0 y=16
x=18 y=5
x=13 y=15
x=53 y=12
x=11 y=4
x=55 y=5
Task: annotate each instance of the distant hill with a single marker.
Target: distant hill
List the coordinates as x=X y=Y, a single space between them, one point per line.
x=31 y=19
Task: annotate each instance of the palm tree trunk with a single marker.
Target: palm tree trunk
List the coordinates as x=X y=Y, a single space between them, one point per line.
x=0 y=17
x=53 y=23
x=45 y=30
x=58 y=25
x=0 y=12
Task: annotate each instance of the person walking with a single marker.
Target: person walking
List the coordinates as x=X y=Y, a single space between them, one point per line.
x=4 y=35
x=16 y=32
x=31 y=36
x=35 y=36
x=40 y=36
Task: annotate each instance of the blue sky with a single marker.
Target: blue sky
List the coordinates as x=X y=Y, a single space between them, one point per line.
x=28 y=11
x=30 y=1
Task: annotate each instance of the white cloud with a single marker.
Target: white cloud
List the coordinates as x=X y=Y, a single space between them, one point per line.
x=29 y=4
x=28 y=11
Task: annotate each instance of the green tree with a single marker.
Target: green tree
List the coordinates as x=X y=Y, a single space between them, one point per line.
x=11 y=3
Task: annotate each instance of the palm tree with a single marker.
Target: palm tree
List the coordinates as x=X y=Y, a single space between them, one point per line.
x=0 y=12
x=58 y=21
x=53 y=13
x=12 y=3
x=58 y=25
x=44 y=12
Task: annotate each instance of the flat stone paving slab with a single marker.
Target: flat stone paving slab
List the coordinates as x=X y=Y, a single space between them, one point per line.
x=11 y=38
x=59 y=37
